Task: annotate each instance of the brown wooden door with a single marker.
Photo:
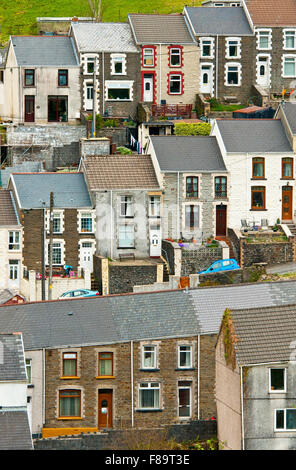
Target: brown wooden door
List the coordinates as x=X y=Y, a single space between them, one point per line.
x=105 y=401
x=287 y=198
x=221 y=220
x=29 y=108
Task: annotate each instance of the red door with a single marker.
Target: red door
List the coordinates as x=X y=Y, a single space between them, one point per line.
x=105 y=409
x=29 y=108
x=221 y=220
x=287 y=201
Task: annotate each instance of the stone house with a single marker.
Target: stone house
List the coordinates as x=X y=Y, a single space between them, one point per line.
x=110 y=49
x=74 y=222
x=225 y=38
x=128 y=200
x=41 y=81
x=11 y=243
x=168 y=50
x=195 y=184
x=261 y=166
x=275 y=44
x=255 y=379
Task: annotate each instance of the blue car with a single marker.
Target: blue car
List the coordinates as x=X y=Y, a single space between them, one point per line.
x=221 y=265
x=71 y=294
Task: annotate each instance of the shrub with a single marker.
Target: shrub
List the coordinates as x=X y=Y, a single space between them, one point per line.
x=203 y=128
x=124 y=151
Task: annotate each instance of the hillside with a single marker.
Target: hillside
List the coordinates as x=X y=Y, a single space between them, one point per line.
x=19 y=16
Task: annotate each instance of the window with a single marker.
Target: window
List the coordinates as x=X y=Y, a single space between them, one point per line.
x=70 y=403
x=14 y=241
x=264 y=39
x=149 y=357
x=258 y=197
x=149 y=395
x=126 y=236
x=126 y=206
x=70 y=364
x=63 y=78
x=233 y=74
x=175 y=84
x=287 y=168
x=13 y=269
x=89 y=92
x=285 y=419
x=207 y=47
x=105 y=364
x=289 y=69
x=289 y=39
x=29 y=370
x=154 y=206
x=184 y=399
x=29 y=77
x=57 y=109
x=119 y=90
x=191 y=217
x=86 y=222
x=90 y=65
x=220 y=186
x=56 y=253
x=258 y=167
x=56 y=223
x=148 y=57
x=277 y=380
x=192 y=186
x=233 y=48
x=185 y=357
x=118 y=64
x=1 y=76
x=175 y=57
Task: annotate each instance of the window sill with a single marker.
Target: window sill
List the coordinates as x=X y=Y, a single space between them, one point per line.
x=119 y=101
x=66 y=377
x=233 y=84
x=30 y=386
x=126 y=248
x=70 y=418
x=144 y=410
x=288 y=178
x=63 y=86
x=149 y=370
x=258 y=209
x=185 y=368
x=105 y=377
x=259 y=178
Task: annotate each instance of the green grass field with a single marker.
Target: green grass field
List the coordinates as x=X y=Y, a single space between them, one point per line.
x=18 y=17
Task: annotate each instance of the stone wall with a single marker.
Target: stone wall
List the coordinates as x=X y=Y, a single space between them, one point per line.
x=118 y=440
x=270 y=253
x=194 y=261
x=123 y=278
x=233 y=236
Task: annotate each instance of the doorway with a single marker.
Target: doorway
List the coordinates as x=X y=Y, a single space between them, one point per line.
x=221 y=220
x=29 y=108
x=206 y=79
x=86 y=256
x=287 y=203
x=263 y=71
x=148 y=88
x=105 y=415
x=57 y=109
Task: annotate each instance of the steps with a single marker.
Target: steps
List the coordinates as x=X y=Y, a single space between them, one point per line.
x=94 y=285
x=166 y=269
x=228 y=242
x=292 y=228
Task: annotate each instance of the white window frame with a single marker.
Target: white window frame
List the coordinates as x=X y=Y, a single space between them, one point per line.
x=14 y=243
x=285 y=35
x=212 y=43
x=132 y=230
x=156 y=204
x=173 y=54
x=268 y=32
x=118 y=58
x=239 y=73
x=185 y=387
x=62 y=246
x=14 y=269
x=149 y=387
x=238 y=46
x=87 y=58
x=124 y=84
x=61 y=216
x=153 y=54
x=284 y=429
x=198 y=226
x=179 y=80
x=154 y=352
x=28 y=363
x=129 y=201
x=285 y=380
x=288 y=56
x=89 y=84
x=179 y=355
x=79 y=217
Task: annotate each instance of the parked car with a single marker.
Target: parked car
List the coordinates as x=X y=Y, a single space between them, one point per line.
x=70 y=294
x=221 y=265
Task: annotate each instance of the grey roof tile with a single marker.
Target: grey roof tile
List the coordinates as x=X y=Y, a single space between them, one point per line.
x=15 y=431
x=8 y=214
x=289 y=109
x=188 y=153
x=227 y=21
x=12 y=362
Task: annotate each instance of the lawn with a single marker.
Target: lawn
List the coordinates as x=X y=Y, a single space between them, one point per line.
x=18 y=17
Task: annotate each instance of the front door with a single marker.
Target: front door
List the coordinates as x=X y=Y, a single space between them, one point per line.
x=148 y=88
x=263 y=71
x=221 y=220
x=86 y=256
x=14 y=274
x=105 y=409
x=89 y=96
x=287 y=198
x=206 y=86
x=155 y=241
x=29 y=108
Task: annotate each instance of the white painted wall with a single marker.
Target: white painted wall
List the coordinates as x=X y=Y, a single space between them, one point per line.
x=36 y=393
x=6 y=255
x=13 y=394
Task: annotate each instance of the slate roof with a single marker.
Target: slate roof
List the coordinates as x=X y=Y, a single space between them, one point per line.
x=254 y=135
x=12 y=362
x=70 y=190
x=15 y=431
x=289 y=109
x=272 y=12
x=50 y=51
x=121 y=318
x=120 y=172
x=227 y=21
x=8 y=214
x=160 y=29
x=107 y=37
x=265 y=334
x=188 y=153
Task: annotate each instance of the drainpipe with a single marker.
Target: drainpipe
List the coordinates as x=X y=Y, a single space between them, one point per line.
x=43 y=386
x=242 y=408
x=132 y=381
x=178 y=204
x=111 y=225
x=103 y=84
x=198 y=377
x=159 y=73
x=217 y=39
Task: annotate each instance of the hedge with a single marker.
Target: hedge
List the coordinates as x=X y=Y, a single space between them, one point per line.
x=203 y=128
